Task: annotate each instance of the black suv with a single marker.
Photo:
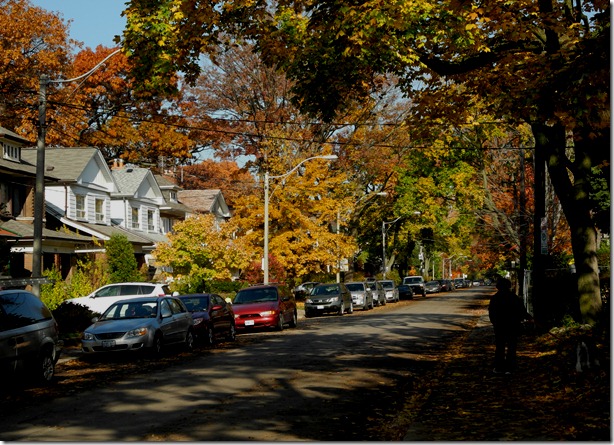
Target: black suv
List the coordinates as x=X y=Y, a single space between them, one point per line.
x=28 y=335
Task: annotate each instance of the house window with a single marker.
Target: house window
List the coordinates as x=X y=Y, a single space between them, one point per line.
x=173 y=195
x=150 y=221
x=99 y=210
x=135 y=218
x=11 y=152
x=80 y=206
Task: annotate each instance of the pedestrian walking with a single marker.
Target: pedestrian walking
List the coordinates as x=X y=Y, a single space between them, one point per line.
x=506 y=312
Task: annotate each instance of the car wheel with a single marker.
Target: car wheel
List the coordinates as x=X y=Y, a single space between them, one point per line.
x=156 y=348
x=351 y=309
x=189 y=341
x=294 y=321
x=280 y=322
x=210 y=338
x=232 y=333
x=308 y=314
x=46 y=367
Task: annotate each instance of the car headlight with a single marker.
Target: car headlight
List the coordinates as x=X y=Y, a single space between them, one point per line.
x=88 y=336
x=308 y=301
x=267 y=313
x=332 y=300
x=198 y=321
x=138 y=332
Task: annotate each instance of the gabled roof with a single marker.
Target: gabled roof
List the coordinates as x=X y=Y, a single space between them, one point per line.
x=130 y=181
x=204 y=201
x=13 y=137
x=68 y=164
x=22 y=169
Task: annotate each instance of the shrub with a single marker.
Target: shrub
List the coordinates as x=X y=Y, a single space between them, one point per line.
x=120 y=259
x=73 y=318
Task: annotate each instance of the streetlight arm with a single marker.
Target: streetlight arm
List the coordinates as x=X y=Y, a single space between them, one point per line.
x=267 y=178
x=330 y=157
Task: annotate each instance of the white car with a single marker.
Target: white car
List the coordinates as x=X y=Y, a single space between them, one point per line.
x=100 y=300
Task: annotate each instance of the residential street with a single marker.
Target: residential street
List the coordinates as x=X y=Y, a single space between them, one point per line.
x=332 y=378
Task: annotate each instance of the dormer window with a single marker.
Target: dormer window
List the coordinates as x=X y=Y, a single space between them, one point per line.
x=80 y=206
x=11 y=152
x=173 y=195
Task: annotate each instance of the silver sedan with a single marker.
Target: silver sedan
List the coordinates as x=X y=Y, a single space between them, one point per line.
x=136 y=324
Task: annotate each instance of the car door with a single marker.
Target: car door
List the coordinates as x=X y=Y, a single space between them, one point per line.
x=182 y=319
x=219 y=314
x=167 y=322
x=286 y=303
x=22 y=319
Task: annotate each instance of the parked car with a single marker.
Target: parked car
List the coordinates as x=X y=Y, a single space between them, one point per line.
x=29 y=336
x=361 y=294
x=446 y=285
x=417 y=284
x=459 y=283
x=392 y=295
x=333 y=297
x=140 y=324
x=405 y=292
x=379 y=294
x=432 y=287
x=302 y=290
x=213 y=317
x=265 y=306
x=102 y=298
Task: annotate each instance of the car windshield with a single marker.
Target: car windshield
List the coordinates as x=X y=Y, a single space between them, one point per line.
x=387 y=284
x=432 y=283
x=255 y=296
x=413 y=280
x=325 y=290
x=355 y=287
x=196 y=304
x=118 y=311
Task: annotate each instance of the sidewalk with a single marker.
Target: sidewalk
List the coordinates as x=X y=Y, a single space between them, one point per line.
x=546 y=399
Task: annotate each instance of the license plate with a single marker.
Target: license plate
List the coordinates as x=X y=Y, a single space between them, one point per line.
x=319 y=307
x=249 y=322
x=108 y=343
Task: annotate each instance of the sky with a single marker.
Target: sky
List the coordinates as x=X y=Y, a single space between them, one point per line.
x=94 y=22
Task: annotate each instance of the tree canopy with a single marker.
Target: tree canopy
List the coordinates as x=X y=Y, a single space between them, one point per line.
x=542 y=62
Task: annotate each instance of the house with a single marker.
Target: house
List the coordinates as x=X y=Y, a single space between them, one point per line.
x=172 y=211
x=83 y=198
x=206 y=201
x=17 y=188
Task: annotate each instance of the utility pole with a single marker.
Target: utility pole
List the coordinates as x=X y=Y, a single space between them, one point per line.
x=39 y=189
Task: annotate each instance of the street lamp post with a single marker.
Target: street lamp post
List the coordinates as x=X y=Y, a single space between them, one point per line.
x=267 y=178
x=384 y=230
x=368 y=195
x=39 y=188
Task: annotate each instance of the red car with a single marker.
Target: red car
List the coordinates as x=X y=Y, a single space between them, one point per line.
x=265 y=306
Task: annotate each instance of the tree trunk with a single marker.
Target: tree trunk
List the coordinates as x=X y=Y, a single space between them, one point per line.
x=572 y=185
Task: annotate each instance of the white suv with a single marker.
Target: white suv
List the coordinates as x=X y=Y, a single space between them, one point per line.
x=416 y=282
x=101 y=299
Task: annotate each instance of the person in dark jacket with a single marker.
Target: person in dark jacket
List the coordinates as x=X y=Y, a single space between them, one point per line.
x=507 y=312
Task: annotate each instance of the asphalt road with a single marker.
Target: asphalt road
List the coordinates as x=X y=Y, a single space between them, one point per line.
x=331 y=378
